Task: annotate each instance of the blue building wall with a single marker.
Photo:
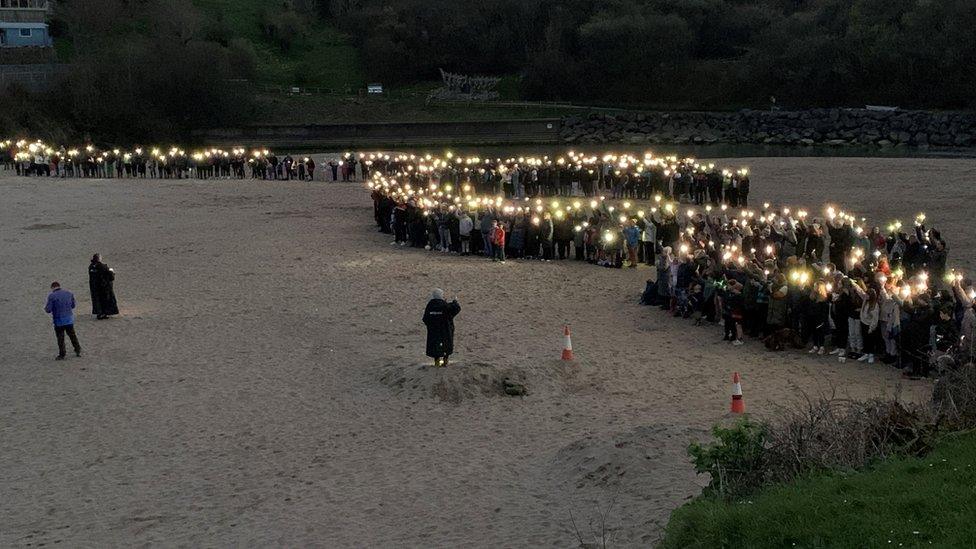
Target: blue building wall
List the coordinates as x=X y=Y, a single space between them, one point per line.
x=13 y=35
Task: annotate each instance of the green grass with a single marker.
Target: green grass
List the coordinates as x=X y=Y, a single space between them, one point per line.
x=327 y=57
x=927 y=502
x=396 y=105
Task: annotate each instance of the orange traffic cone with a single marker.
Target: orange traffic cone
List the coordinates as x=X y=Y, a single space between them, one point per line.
x=568 y=345
x=738 y=405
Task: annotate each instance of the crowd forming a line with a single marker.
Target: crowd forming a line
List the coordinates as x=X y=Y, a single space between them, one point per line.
x=830 y=283
x=39 y=159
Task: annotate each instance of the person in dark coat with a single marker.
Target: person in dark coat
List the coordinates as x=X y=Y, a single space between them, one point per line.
x=439 y=319
x=100 y=279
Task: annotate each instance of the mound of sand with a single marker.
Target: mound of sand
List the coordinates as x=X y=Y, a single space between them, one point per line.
x=454 y=383
x=462 y=380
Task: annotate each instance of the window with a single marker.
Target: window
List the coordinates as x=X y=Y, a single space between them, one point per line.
x=25 y=33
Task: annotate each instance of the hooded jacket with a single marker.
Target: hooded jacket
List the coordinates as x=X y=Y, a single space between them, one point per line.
x=439 y=319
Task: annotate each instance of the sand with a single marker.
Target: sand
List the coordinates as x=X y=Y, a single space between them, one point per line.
x=266 y=384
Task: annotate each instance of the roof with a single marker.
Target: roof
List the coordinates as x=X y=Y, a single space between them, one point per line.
x=8 y=25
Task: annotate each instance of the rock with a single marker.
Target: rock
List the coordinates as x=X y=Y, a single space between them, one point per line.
x=512 y=388
x=835 y=127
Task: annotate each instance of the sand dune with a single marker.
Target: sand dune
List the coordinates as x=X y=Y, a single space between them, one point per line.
x=263 y=385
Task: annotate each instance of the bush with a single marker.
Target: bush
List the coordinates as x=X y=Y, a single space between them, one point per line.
x=286 y=29
x=736 y=462
x=243 y=58
x=825 y=434
x=301 y=74
x=954 y=397
x=839 y=434
x=216 y=29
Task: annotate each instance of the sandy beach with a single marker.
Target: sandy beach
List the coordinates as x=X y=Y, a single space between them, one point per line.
x=266 y=384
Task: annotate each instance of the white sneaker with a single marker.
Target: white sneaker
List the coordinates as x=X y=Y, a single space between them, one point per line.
x=863 y=358
x=821 y=351
x=813 y=350
x=837 y=352
x=870 y=359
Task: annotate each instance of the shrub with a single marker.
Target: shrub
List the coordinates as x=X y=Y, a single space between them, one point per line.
x=825 y=434
x=954 y=397
x=243 y=58
x=839 y=434
x=736 y=461
x=286 y=29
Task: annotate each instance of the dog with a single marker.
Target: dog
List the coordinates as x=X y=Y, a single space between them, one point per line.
x=783 y=338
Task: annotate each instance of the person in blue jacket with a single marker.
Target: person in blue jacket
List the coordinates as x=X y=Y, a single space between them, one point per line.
x=60 y=305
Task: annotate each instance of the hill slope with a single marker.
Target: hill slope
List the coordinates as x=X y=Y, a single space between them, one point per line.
x=327 y=58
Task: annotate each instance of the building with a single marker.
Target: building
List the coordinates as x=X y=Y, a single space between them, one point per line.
x=27 y=57
x=20 y=35
x=25 y=11
x=23 y=23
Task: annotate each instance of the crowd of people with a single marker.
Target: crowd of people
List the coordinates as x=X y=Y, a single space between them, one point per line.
x=830 y=284
x=617 y=176
x=39 y=159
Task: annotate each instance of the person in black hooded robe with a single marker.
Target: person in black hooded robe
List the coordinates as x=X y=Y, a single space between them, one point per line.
x=439 y=319
x=100 y=279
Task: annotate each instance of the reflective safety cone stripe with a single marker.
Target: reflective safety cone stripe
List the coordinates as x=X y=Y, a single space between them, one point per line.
x=738 y=405
x=568 y=345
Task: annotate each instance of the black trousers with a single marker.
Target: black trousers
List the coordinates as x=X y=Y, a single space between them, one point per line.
x=70 y=330
x=547 y=250
x=647 y=252
x=562 y=249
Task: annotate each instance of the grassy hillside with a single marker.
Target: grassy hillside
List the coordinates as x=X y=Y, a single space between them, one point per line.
x=927 y=502
x=327 y=57
x=395 y=106
x=333 y=72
